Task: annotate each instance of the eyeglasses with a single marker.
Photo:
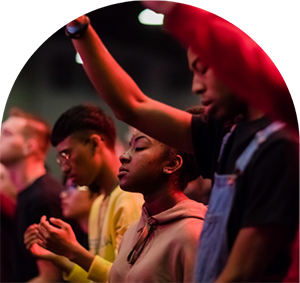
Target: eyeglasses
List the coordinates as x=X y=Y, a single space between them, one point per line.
x=62 y=158
x=73 y=188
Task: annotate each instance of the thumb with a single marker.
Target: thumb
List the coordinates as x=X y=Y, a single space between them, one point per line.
x=58 y=222
x=43 y=218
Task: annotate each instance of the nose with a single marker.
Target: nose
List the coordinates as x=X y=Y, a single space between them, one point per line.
x=63 y=194
x=65 y=168
x=125 y=157
x=198 y=85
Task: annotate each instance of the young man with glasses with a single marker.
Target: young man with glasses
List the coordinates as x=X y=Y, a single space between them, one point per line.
x=24 y=143
x=84 y=137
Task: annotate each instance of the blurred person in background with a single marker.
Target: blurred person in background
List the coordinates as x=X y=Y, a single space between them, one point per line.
x=8 y=198
x=24 y=143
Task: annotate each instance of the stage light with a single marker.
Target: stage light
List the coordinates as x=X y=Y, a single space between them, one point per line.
x=78 y=58
x=148 y=17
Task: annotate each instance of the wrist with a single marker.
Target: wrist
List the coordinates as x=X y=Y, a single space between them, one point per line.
x=82 y=257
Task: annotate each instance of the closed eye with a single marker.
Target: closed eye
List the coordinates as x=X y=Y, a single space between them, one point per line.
x=139 y=148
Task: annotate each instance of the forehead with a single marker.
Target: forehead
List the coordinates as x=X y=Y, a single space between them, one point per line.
x=137 y=135
x=14 y=124
x=68 y=142
x=192 y=57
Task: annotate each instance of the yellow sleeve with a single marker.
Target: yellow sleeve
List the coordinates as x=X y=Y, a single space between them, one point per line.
x=99 y=269
x=77 y=274
x=98 y=272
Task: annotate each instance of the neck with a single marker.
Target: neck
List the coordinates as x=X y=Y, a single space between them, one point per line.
x=107 y=179
x=84 y=223
x=163 y=199
x=254 y=114
x=25 y=173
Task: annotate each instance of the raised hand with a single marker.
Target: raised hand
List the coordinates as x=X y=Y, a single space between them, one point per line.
x=60 y=240
x=163 y=7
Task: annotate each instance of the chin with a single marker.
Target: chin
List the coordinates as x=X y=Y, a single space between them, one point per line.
x=126 y=187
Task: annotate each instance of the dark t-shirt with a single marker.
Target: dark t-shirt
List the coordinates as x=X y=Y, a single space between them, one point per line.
x=40 y=198
x=5 y=246
x=268 y=190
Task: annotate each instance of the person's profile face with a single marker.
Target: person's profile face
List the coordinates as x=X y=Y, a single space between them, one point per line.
x=218 y=100
x=77 y=160
x=142 y=164
x=76 y=201
x=12 y=141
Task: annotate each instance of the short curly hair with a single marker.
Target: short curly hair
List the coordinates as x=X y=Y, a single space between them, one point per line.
x=84 y=117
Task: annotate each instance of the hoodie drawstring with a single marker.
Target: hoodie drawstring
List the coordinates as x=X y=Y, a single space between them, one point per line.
x=142 y=240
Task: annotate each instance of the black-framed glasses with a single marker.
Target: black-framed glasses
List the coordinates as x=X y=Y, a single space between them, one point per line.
x=62 y=158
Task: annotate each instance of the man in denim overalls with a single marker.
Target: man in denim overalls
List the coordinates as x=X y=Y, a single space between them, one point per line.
x=253 y=212
x=250 y=221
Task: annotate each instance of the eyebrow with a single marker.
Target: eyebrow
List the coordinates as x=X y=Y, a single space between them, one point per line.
x=138 y=138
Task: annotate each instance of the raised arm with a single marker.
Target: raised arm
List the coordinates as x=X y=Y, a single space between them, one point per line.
x=127 y=101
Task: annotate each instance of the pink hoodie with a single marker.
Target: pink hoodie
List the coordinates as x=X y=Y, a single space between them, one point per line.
x=169 y=253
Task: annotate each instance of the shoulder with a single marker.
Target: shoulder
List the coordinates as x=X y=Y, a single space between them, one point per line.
x=122 y=198
x=280 y=146
x=47 y=183
x=189 y=222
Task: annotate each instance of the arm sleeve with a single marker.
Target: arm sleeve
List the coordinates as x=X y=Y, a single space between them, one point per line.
x=128 y=209
x=98 y=272
x=235 y=58
x=77 y=274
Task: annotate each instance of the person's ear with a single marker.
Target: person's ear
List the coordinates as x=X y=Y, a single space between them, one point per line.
x=30 y=146
x=96 y=142
x=173 y=165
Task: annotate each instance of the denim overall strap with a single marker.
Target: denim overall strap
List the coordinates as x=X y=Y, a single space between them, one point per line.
x=259 y=138
x=212 y=252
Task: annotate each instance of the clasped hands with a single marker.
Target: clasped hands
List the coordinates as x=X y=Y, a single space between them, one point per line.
x=44 y=239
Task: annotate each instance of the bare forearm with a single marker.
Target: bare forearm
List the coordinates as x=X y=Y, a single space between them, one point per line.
x=127 y=101
x=109 y=79
x=48 y=272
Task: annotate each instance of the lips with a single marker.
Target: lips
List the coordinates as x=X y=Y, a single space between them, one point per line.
x=122 y=171
x=206 y=102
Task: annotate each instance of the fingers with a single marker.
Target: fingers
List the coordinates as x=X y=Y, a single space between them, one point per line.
x=30 y=236
x=59 y=223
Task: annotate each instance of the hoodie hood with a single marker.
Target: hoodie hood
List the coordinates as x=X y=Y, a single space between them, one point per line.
x=184 y=209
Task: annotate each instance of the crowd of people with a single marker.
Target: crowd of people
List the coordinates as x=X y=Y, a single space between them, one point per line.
x=132 y=219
